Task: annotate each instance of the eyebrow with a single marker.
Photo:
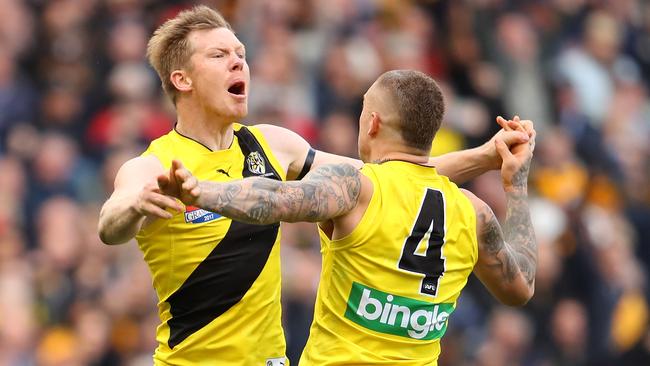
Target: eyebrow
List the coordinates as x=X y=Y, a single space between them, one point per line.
x=226 y=49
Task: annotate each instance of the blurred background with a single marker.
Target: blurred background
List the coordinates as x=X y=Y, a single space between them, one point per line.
x=77 y=99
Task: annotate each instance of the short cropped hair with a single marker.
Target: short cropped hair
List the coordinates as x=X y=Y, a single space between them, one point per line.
x=420 y=105
x=169 y=48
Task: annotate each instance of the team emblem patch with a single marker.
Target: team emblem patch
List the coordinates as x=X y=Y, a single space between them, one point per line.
x=255 y=163
x=195 y=215
x=280 y=361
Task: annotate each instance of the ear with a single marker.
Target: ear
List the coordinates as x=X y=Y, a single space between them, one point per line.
x=181 y=80
x=374 y=125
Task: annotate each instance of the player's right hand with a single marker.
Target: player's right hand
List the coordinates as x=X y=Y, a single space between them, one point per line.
x=180 y=183
x=152 y=202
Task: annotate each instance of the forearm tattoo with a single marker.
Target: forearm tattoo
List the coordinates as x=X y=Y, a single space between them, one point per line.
x=520 y=178
x=514 y=250
x=327 y=192
x=519 y=234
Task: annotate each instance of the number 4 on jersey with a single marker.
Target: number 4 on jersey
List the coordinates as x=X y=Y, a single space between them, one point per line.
x=431 y=222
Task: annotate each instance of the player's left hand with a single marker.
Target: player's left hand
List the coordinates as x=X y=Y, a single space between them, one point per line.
x=513 y=133
x=180 y=183
x=516 y=160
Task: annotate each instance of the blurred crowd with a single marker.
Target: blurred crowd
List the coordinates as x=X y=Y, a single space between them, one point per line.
x=77 y=99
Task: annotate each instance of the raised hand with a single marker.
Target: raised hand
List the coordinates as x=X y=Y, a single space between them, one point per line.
x=513 y=133
x=516 y=158
x=180 y=183
x=516 y=124
x=151 y=201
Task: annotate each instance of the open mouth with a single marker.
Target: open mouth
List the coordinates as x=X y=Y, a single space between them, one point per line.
x=238 y=88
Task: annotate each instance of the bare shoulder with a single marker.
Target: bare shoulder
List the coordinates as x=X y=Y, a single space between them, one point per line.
x=479 y=204
x=337 y=173
x=136 y=172
x=342 y=180
x=290 y=148
x=281 y=138
x=363 y=187
x=484 y=215
x=143 y=165
x=366 y=190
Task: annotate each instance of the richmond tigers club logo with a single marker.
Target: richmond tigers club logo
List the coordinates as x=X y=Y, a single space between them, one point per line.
x=255 y=163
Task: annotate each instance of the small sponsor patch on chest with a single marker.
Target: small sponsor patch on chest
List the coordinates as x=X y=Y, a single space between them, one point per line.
x=195 y=215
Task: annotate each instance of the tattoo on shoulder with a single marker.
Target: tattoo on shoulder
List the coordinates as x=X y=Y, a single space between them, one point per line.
x=340 y=182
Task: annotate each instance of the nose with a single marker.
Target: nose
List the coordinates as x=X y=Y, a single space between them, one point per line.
x=237 y=64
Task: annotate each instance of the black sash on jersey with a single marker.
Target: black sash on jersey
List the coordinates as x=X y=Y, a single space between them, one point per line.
x=228 y=272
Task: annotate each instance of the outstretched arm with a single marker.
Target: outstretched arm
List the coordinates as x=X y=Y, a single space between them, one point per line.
x=326 y=192
x=135 y=198
x=508 y=259
x=460 y=166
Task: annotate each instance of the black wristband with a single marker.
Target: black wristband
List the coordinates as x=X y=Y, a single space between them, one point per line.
x=309 y=160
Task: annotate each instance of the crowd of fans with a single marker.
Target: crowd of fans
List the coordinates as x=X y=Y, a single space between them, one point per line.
x=77 y=99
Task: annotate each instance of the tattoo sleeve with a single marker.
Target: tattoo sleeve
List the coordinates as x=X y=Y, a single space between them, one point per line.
x=327 y=192
x=512 y=251
x=519 y=234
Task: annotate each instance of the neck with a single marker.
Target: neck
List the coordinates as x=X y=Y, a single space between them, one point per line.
x=405 y=154
x=213 y=131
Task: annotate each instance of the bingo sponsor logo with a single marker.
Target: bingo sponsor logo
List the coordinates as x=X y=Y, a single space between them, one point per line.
x=397 y=315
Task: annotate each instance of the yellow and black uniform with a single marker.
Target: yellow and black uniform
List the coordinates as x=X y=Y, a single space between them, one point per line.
x=217 y=280
x=388 y=288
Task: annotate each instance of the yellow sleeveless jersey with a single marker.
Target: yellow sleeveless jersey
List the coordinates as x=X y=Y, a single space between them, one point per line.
x=388 y=288
x=217 y=280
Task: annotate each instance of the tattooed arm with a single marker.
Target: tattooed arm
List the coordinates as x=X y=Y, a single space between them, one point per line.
x=508 y=259
x=325 y=193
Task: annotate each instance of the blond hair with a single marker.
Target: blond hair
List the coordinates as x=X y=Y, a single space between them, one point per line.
x=169 y=48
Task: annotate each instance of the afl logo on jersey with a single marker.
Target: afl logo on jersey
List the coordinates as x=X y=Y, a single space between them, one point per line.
x=255 y=163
